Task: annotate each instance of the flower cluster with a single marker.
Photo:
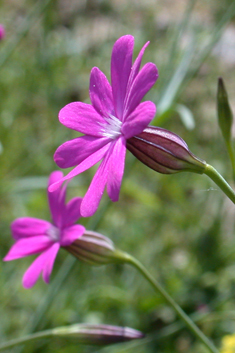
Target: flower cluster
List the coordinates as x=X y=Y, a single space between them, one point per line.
x=115 y=120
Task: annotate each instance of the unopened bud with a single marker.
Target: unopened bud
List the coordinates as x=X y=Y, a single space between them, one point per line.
x=95 y=249
x=164 y=152
x=98 y=334
x=225 y=115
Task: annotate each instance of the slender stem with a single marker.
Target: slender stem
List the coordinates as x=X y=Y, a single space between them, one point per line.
x=25 y=339
x=212 y=173
x=231 y=155
x=157 y=286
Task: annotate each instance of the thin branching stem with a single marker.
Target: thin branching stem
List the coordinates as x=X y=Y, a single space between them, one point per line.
x=25 y=339
x=158 y=288
x=213 y=174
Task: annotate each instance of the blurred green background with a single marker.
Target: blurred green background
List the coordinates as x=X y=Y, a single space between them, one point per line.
x=181 y=227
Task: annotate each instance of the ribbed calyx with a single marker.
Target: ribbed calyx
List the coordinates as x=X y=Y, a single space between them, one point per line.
x=164 y=152
x=95 y=249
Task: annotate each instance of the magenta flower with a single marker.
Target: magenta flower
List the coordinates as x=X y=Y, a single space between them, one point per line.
x=115 y=115
x=35 y=236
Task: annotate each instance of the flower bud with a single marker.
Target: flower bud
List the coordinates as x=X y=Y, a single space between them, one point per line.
x=225 y=115
x=95 y=249
x=98 y=334
x=164 y=152
x=2 y=32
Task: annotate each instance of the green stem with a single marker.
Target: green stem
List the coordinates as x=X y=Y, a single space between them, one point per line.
x=231 y=156
x=25 y=339
x=212 y=173
x=157 y=286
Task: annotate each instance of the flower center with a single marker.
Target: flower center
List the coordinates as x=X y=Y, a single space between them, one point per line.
x=54 y=233
x=112 y=127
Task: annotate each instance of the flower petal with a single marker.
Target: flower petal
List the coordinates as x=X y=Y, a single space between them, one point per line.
x=139 y=119
x=136 y=66
x=28 y=246
x=101 y=93
x=73 y=152
x=143 y=82
x=55 y=176
x=95 y=191
x=116 y=169
x=45 y=260
x=56 y=199
x=26 y=227
x=84 y=165
x=81 y=117
x=33 y=272
x=121 y=63
x=50 y=256
x=72 y=212
x=70 y=234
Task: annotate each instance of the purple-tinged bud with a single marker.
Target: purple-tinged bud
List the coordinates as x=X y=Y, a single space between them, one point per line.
x=2 y=32
x=164 y=152
x=95 y=249
x=98 y=334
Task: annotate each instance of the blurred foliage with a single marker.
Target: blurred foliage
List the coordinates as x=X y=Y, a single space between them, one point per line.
x=181 y=227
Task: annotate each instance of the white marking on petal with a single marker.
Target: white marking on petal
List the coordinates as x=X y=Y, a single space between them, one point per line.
x=112 y=127
x=54 y=234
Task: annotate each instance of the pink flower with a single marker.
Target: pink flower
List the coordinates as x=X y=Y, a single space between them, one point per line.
x=35 y=236
x=2 y=32
x=115 y=115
